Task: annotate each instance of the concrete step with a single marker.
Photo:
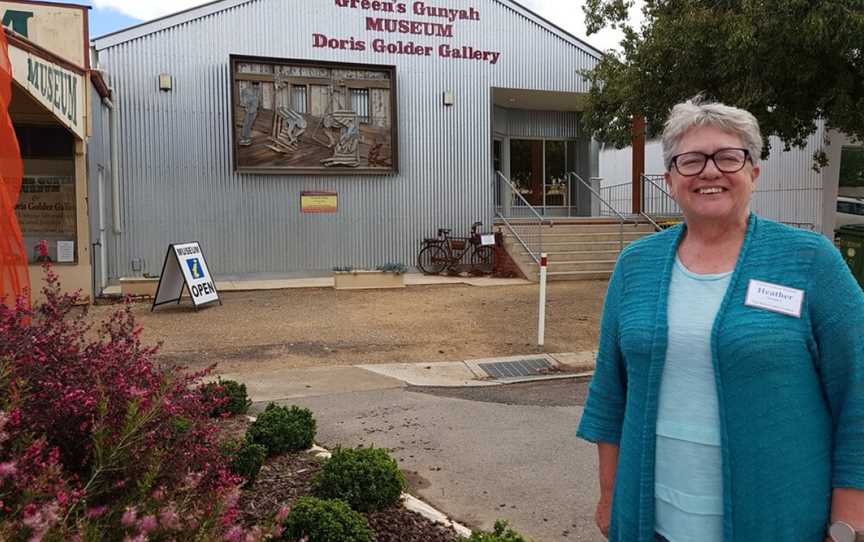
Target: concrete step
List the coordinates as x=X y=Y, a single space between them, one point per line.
x=570 y=246
x=564 y=247
x=592 y=265
x=599 y=236
x=577 y=255
x=578 y=228
x=579 y=275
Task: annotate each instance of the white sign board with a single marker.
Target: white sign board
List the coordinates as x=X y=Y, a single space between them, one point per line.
x=58 y=89
x=487 y=239
x=185 y=266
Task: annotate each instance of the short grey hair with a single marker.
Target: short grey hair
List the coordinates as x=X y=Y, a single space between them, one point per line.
x=696 y=112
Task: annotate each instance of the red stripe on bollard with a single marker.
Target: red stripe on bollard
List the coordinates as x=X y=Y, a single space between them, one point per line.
x=543 y=261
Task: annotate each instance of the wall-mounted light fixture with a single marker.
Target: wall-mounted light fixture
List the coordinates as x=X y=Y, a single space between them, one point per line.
x=449 y=97
x=166 y=83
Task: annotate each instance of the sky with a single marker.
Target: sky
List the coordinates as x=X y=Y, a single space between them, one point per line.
x=111 y=15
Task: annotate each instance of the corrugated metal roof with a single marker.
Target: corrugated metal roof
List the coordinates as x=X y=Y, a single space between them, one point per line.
x=191 y=14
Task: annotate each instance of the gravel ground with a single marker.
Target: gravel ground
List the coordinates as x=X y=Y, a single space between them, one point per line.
x=318 y=327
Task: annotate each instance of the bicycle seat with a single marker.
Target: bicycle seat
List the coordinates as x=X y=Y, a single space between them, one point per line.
x=476 y=224
x=442 y=231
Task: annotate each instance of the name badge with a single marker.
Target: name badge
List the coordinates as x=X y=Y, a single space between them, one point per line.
x=775 y=298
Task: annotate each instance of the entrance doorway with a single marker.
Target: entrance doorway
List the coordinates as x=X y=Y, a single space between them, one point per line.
x=538 y=169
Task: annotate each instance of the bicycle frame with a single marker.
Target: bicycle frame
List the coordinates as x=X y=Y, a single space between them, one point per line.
x=456 y=248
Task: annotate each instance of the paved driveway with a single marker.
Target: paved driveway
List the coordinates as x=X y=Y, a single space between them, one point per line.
x=474 y=456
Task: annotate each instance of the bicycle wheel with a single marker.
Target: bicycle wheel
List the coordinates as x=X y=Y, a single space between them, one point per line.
x=432 y=260
x=483 y=259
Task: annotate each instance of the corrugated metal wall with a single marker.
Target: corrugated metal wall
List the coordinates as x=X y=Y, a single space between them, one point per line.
x=175 y=147
x=788 y=190
x=98 y=159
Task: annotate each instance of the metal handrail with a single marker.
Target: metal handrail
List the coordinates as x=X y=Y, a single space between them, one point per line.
x=599 y=197
x=516 y=191
x=646 y=179
x=540 y=220
x=518 y=238
x=621 y=218
x=651 y=220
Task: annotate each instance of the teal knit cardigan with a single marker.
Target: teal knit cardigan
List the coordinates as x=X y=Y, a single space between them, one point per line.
x=791 y=390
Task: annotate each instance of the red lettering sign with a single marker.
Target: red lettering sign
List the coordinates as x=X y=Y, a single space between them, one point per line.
x=443 y=28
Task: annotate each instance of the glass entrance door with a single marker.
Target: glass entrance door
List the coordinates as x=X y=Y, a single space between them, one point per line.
x=538 y=168
x=555 y=170
x=526 y=169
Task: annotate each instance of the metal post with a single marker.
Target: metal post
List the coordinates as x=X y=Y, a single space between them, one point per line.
x=541 y=326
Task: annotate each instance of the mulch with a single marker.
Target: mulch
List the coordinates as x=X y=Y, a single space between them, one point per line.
x=286 y=478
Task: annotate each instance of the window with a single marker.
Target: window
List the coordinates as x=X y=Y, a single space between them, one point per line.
x=298 y=98
x=846 y=207
x=46 y=211
x=852 y=166
x=360 y=103
x=46 y=208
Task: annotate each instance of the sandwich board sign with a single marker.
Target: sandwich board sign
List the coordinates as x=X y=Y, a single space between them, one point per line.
x=185 y=267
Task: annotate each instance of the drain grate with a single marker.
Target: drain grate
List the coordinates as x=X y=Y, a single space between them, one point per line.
x=517 y=369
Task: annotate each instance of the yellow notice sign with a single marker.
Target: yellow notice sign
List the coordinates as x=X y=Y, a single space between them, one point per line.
x=318 y=202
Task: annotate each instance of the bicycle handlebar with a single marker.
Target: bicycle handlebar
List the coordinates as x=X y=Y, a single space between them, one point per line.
x=442 y=232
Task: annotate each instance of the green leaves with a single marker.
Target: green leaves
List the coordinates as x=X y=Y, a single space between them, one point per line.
x=789 y=62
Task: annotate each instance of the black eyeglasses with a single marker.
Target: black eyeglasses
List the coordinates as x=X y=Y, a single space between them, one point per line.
x=726 y=161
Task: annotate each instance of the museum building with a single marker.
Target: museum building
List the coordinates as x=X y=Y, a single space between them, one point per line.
x=53 y=93
x=292 y=136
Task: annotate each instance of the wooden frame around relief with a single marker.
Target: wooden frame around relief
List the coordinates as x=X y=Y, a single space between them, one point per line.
x=283 y=141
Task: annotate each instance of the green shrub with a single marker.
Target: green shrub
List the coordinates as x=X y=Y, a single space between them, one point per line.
x=228 y=396
x=325 y=521
x=502 y=533
x=282 y=429
x=366 y=478
x=246 y=459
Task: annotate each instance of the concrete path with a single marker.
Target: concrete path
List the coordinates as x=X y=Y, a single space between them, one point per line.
x=476 y=461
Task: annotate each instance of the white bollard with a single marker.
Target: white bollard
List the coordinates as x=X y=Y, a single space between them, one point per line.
x=541 y=325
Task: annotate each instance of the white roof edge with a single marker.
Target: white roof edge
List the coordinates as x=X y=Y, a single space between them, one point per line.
x=155 y=25
x=162 y=23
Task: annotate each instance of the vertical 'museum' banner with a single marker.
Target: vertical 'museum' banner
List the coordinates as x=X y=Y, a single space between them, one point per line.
x=14 y=278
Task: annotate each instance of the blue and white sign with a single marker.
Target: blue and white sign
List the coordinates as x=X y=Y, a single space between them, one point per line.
x=185 y=266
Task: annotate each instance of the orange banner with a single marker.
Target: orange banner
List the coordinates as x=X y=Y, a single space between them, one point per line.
x=14 y=278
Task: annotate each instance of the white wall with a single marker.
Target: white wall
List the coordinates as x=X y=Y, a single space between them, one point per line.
x=788 y=190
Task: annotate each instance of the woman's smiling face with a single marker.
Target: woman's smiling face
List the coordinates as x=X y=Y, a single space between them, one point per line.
x=712 y=195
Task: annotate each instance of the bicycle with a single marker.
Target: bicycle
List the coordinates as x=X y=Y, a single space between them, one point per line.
x=445 y=253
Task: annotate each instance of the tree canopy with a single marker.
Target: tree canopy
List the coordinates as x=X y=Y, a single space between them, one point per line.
x=789 y=62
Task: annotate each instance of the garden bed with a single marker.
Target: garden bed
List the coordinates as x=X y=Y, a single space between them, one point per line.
x=285 y=478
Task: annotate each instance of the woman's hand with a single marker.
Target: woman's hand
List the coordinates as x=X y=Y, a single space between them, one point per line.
x=603 y=514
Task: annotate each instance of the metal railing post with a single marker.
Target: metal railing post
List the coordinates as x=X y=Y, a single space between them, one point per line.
x=540 y=220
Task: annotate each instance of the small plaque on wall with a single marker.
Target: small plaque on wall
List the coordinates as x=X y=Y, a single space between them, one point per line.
x=319 y=202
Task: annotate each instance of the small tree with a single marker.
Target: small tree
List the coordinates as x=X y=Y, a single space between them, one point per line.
x=788 y=62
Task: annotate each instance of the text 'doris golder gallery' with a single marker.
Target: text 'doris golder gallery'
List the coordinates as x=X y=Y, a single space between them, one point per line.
x=228 y=115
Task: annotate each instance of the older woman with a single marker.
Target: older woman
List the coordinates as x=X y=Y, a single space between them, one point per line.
x=728 y=399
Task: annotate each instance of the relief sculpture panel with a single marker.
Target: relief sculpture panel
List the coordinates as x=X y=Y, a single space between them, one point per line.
x=306 y=117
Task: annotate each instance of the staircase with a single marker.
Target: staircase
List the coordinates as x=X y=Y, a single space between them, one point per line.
x=576 y=250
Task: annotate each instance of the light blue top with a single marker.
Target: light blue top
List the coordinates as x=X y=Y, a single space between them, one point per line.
x=688 y=480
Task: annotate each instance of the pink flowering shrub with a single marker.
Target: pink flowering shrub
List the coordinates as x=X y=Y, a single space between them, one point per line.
x=97 y=442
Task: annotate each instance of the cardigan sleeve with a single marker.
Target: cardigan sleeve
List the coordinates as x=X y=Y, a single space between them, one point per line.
x=603 y=414
x=837 y=313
